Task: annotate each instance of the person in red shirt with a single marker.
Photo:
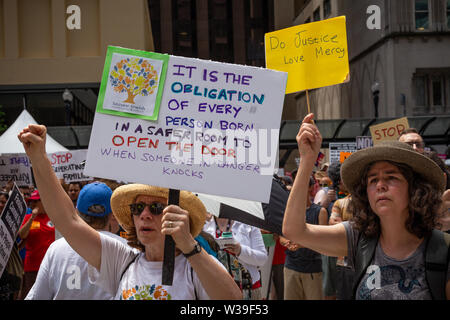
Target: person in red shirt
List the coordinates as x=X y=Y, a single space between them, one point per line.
x=38 y=232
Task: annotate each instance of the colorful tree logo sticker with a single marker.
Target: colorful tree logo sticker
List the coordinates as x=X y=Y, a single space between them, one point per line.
x=132 y=83
x=134 y=76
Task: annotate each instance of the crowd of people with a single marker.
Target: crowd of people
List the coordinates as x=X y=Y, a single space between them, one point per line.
x=363 y=229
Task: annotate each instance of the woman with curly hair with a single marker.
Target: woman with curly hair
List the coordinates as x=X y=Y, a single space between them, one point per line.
x=396 y=200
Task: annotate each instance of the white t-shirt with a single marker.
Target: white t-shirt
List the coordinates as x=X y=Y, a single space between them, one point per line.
x=63 y=275
x=142 y=280
x=253 y=252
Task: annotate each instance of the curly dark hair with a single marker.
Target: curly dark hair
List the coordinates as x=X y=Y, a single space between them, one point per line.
x=424 y=203
x=334 y=173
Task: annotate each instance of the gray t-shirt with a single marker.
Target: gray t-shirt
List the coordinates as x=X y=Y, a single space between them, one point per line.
x=390 y=279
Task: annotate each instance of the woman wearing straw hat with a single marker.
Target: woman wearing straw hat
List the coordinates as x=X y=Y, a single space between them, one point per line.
x=396 y=198
x=143 y=212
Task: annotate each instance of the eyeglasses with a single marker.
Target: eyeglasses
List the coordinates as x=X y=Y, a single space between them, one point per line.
x=419 y=144
x=155 y=208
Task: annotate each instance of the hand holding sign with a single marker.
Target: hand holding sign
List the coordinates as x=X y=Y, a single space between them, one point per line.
x=309 y=139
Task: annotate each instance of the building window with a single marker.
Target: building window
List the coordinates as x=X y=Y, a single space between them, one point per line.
x=184 y=28
x=220 y=30
x=422 y=14
x=316 y=14
x=448 y=14
x=431 y=96
x=308 y=20
x=327 y=8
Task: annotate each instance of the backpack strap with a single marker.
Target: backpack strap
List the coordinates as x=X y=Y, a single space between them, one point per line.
x=365 y=250
x=436 y=263
x=128 y=265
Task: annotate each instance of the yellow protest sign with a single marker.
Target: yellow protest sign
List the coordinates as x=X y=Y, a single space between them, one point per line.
x=314 y=54
x=389 y=130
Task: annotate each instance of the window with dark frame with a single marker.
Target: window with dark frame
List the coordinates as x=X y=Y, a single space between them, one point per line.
x=431 y=93
x=327 y=8
x=316 y=14
x=422 y=13
x=448 y=14
x=184 y=28
x=220 y=30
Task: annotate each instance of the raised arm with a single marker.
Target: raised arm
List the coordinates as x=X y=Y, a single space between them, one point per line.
x=58 y=206
x=328 y=240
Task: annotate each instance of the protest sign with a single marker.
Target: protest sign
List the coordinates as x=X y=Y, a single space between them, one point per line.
x=389 y=130
x=363 y=142
x=339 y=151
x=314 y=54
x=68 y=165
x=10 y=222
x=15 y=167
x=217 y=132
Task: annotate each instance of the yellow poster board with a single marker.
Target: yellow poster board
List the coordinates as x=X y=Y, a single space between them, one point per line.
x=389 y=130
x=314 y=54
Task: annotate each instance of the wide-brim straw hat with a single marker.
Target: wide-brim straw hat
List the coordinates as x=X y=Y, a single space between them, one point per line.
x=125 y=195
x=353 y=167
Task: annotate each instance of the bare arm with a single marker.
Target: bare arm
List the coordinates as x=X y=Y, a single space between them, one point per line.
x=58 y=206
x=328 y=240
x=25 y=229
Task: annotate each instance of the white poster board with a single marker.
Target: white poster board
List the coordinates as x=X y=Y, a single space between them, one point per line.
x=217 y=132
x=68 y=165
x=10 y=222
x=339 y=149
x=17 y=168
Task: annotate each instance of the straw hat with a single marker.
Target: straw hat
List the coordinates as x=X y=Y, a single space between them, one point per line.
x=395 y=151
x=125 y=195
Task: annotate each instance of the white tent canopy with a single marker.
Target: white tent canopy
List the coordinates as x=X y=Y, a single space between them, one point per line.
x=9 y=143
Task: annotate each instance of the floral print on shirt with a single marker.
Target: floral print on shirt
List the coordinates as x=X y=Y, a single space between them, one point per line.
x=146 y=292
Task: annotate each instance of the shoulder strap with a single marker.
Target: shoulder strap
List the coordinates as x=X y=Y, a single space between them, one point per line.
x=128 y=265
x=365 y=250
x=436 y=263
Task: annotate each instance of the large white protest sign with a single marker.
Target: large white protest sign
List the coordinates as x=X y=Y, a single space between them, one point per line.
x=17 y=168
x=10 y=222
x=216 y=132
x=68 y=165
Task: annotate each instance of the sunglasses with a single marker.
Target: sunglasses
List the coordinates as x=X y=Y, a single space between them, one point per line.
x=155 y=208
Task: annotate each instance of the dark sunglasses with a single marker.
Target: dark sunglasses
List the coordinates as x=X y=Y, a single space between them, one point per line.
x=155 y=208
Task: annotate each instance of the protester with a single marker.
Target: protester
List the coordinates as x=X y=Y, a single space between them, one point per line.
x=412 y=137
x=63 y=274
x=396 y=193
x=38 y=232
x=143 y=213
x=444 y=220
x=303 y=267
x=3 y=199
x=73 y=191
x=242 y=258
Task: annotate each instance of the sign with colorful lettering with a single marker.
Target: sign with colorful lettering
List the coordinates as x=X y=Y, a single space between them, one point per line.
x=217 y=132
x=314 y=54
x=389 y=130
x=132 y=83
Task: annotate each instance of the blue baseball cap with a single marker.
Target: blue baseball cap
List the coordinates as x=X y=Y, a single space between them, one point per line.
x=95 y=199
